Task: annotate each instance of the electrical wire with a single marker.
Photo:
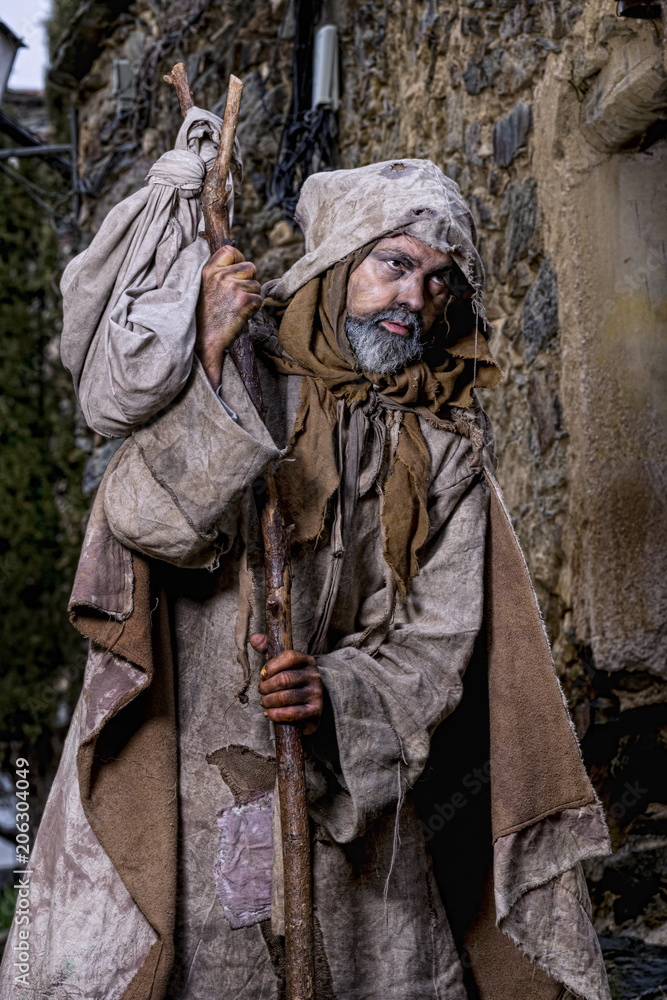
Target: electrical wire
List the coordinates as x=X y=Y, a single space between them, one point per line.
x=308 y=141
x=31 y=189
x=307 y=146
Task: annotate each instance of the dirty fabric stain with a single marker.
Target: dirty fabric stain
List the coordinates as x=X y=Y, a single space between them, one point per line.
x=244 y=866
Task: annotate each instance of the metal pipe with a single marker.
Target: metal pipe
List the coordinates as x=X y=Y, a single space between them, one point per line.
x=22 y=151
x=18 y=133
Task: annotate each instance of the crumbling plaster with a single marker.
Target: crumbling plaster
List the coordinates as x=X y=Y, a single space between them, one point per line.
x=604 y=225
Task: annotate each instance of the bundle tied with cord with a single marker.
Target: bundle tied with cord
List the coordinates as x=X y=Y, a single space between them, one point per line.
x=129 y=299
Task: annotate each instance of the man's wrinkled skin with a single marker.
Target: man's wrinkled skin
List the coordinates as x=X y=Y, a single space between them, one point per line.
x=291 y=687
x=229 y=296
x=400 y=273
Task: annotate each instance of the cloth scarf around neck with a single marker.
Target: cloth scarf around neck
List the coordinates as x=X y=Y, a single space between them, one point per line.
x=312 y=337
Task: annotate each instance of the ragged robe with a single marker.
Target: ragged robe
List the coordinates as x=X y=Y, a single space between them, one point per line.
x=450 y=809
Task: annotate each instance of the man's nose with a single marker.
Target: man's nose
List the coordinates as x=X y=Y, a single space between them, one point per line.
x=411 y=293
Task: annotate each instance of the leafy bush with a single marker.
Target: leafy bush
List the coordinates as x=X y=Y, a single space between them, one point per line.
x=41 y=505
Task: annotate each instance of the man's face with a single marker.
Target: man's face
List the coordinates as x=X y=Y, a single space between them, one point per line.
x=393 y=299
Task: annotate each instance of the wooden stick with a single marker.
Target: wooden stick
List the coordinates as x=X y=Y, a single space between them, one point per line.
x=214 y=196
x=299 y=962
x=178 y=78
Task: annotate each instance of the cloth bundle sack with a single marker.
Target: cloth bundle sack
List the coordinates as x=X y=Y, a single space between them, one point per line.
x=129 y=299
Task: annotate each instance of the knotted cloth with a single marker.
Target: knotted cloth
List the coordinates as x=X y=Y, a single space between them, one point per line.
x=312 y=336
x=129 y=299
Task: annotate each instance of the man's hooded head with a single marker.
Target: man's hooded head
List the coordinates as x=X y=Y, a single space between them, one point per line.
x=342 y=211
x=347 y=215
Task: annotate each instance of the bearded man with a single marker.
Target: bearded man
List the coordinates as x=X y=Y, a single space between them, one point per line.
x=449 y=807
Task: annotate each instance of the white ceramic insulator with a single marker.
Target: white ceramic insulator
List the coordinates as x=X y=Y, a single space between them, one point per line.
x=325 y=68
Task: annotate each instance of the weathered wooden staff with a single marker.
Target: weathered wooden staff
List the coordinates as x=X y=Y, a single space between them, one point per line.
x=289 y=750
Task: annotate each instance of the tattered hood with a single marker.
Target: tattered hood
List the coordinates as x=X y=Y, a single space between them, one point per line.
x=341 y=211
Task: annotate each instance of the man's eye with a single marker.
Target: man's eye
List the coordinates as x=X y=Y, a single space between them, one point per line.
x=439 y=281
x=395 y=265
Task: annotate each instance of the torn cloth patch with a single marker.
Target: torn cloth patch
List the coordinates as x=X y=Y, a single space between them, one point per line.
x=243 y=869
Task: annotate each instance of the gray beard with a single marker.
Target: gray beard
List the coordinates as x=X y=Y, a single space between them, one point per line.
x=377 y=350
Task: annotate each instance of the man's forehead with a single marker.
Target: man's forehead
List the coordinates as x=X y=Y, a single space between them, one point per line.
x=422 y=254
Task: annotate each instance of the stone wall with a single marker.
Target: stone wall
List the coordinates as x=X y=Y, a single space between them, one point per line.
x=550 y=116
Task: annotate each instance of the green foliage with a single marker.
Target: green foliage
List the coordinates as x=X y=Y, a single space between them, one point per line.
x=8 y=898
x=41 y=506
x=615 y=988
x=60 y=20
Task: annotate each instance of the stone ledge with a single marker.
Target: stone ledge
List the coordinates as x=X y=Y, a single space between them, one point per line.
x=627 y=96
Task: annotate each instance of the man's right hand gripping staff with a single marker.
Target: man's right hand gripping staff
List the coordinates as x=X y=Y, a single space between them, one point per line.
x=229 y=297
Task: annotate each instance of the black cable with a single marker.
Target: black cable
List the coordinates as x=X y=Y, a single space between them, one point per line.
x=308 y=140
